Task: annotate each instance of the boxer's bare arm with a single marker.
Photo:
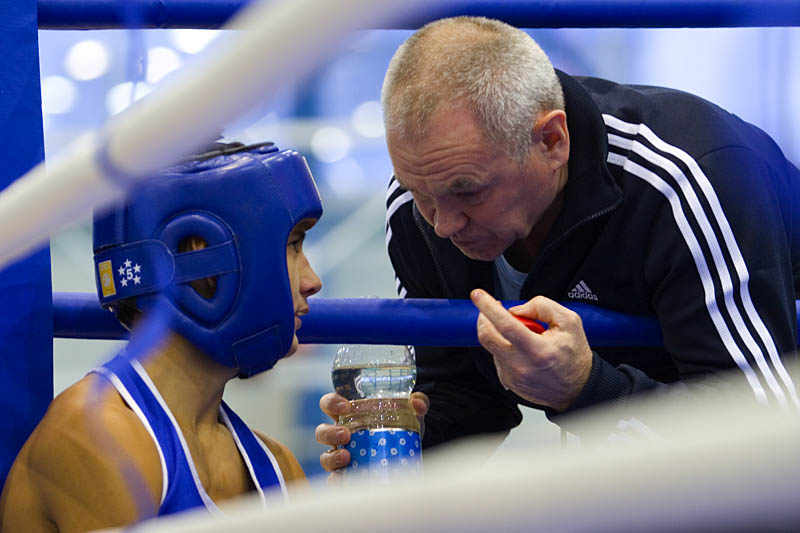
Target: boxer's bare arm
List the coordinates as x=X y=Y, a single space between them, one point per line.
x=21 y=506
x=83 y=468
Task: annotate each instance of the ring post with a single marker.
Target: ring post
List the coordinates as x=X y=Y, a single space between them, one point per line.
x=26 y=331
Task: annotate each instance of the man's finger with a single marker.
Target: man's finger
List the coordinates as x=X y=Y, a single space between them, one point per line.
x=489 y=337
x=504 y=322
x=420 y=403
x=545 y=310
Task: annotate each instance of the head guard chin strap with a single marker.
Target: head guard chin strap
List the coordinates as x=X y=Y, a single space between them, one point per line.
x=244 y=205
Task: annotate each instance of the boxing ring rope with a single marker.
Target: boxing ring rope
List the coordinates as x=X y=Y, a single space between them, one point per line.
x=418 y=322
x=211 y=14
x=717 y=464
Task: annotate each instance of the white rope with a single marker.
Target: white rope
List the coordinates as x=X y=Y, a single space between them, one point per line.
x=275 y=41
x=695 y=462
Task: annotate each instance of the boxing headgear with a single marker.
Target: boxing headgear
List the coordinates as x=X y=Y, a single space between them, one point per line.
x=244 y=205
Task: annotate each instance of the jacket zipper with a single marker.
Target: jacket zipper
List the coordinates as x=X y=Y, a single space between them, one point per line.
x=436 y=260
x=564 y=235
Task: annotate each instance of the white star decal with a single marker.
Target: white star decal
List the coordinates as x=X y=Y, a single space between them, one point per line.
x=137 y=279
x=137 y=267
x=127 y=263
x=123 y=282
x=121 y=271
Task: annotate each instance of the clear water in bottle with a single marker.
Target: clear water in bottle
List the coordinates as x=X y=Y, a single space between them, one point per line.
x=389 y=381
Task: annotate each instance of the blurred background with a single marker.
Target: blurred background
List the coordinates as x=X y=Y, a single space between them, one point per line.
x=333 y=117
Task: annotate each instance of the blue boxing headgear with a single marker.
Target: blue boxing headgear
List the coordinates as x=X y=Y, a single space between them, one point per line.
x=244 y=205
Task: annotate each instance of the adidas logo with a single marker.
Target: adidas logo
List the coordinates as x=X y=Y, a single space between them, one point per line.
x=582 y=292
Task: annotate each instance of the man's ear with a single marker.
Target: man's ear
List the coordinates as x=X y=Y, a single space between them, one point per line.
x=551 y=136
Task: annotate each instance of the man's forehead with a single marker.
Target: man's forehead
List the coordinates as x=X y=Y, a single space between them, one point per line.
x=454 y=183
x=441 y=166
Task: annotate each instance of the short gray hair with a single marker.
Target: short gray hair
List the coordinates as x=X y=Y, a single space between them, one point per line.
x=496 y=69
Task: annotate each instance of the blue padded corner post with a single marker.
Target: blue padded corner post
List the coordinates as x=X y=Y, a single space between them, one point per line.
x=26 y=314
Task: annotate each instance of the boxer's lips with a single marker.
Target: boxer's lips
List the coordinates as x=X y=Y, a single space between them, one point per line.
x=297 y=315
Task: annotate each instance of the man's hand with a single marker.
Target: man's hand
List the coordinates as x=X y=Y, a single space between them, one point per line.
x=335 y=435
x=550 y=368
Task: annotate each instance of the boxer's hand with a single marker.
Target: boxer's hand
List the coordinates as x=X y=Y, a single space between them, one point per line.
x=335 y=435
x=550 y=368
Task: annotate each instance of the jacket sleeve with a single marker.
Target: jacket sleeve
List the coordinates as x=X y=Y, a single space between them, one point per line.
x=720 y=268
x=463 y=401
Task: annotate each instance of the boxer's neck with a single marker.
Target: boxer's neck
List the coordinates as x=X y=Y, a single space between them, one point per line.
x=190 y=381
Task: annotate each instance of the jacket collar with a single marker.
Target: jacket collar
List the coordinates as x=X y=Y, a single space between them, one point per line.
x=590 y=188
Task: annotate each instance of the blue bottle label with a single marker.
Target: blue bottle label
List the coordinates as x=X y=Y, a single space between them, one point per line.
x=384 y=453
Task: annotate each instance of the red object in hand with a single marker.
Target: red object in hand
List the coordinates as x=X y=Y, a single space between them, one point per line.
x=530 y=324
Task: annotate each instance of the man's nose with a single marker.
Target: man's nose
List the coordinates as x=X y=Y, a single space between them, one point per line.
x=447 y=222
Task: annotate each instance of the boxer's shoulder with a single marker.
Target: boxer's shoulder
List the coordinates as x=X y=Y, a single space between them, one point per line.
x=90 y=442
x=80 y=465
x=89 y=405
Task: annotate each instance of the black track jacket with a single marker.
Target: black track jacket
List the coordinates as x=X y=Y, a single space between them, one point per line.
x=674 y=208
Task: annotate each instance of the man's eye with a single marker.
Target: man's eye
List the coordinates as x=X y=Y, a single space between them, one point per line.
x=470 y=197
x=419 y=196
x=297 y=244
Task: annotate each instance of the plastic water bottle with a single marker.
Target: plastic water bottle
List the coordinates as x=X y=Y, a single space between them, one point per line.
x=385 y=440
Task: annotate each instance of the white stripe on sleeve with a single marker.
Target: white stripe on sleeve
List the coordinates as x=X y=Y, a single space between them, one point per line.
x=697 y=254
x=721 y=266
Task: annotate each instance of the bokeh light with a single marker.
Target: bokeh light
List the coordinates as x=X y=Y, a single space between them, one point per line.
x=367 y=119
x=330 y=144
x=346 y=177
x=87 y=60
x=58 y=95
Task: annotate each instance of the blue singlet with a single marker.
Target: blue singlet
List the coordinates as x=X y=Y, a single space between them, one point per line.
x=182 y=488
